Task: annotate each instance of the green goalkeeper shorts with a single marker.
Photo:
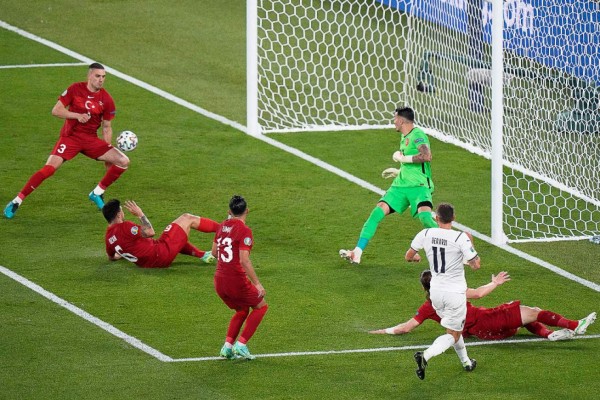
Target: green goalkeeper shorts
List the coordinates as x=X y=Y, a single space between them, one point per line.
x=400 y=198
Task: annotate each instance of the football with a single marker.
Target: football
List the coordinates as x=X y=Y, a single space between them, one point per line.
x=127 y=141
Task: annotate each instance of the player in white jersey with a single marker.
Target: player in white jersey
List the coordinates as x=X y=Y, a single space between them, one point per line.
x=445 y=250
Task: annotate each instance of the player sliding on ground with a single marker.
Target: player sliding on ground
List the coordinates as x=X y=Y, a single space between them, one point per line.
x=499 y=322
x=134 y=242
x=412 y=186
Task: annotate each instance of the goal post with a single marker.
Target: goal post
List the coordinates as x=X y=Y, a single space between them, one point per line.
x=515 y=81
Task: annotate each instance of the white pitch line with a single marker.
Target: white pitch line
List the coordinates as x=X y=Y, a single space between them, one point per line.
x=85 y=315
x=376 y=350
x=42 y=65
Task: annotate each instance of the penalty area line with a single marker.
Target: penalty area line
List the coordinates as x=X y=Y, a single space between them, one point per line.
x=85 y=315
x=42 y=65
x=377 y=350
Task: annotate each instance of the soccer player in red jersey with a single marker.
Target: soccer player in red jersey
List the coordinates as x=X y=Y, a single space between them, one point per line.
x=236 y=282
x=85 y=107
x=499 y=322
x=134 y=242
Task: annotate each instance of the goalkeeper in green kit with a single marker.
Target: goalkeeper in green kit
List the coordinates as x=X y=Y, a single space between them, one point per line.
x=412 y=186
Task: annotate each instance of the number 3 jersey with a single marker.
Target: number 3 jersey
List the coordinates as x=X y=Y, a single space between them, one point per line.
x=445 y=250
x=232 y=236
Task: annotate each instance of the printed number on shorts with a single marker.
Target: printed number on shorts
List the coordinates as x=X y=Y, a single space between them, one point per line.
x=128 y=256
x=225 y=249
x=439 y=260
x=61 y=149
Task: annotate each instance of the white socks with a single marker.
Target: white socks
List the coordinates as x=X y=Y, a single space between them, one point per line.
x=461 y=351
x=98 y=191
x=439 y=345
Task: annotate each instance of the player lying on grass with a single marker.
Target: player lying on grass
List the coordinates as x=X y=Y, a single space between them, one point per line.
x=134 y=242
x=499 y=322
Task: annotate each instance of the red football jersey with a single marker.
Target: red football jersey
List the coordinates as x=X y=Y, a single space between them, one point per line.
x=78 y=99
x=126 y=239
x=232 y=236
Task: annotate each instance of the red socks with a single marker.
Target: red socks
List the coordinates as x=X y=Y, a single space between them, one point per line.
x=36 y=180
x=113 y=173
x=207 y=225
x=554 y=319
x=252 y=323
x=236 y=324
x=191 y=250
x=538 y=329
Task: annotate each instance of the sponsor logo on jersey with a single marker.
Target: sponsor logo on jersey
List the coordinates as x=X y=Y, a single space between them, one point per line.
x=226 y=229
x=419 y=140
x=247 y=241
x=112 y=239
x=134 y=230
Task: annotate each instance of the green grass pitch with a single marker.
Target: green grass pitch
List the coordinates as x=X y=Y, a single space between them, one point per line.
x=301 y=216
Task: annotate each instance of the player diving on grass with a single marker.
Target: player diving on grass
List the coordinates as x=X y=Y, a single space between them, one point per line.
x=412 y=185
x=498 y=322
x=133 y=242
x=85 y=107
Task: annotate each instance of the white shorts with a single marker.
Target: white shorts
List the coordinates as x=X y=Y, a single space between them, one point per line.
x=452 y=309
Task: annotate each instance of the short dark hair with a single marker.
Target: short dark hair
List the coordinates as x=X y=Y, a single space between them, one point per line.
x=237 y=205
x=426 y=281
x=406 y=113
x=445 y=213
x=96 y=66
x=111 y=210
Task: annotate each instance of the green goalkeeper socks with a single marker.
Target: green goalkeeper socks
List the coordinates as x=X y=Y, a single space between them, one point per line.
x=370 y=226
x=427 y=220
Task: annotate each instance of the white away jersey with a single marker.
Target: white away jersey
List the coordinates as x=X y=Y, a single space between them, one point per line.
x=445 y=250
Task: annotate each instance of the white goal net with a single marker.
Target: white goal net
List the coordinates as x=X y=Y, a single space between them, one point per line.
x=333 y=65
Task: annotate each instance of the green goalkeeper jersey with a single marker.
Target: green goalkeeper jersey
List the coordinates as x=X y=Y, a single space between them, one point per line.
x=414 y=174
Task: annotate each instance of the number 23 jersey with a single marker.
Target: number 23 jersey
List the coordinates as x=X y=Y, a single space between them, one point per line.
x=232 y=236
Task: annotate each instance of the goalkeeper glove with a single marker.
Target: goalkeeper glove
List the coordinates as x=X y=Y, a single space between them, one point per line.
x=399 y=157
x=390 y=173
